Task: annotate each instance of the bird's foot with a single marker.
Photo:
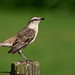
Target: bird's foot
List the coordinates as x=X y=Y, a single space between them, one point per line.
x=25 y=60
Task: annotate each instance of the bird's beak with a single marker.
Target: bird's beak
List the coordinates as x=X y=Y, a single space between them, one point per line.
x=42 y=18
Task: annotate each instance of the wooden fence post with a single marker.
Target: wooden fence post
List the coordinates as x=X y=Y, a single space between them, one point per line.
x=25 y=68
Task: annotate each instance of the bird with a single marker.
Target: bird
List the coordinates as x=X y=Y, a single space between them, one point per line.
x=23 y=38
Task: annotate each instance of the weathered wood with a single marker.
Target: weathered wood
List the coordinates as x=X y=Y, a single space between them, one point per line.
x=25 y=68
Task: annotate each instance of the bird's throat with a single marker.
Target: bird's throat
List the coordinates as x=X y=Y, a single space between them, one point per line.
x=33 y=26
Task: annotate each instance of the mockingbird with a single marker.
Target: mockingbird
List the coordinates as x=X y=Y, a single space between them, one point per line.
x=23 y=38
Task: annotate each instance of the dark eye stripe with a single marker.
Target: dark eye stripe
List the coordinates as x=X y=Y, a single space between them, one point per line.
x=35 y=19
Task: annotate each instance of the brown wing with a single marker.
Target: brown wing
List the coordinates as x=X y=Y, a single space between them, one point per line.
x=23 y=39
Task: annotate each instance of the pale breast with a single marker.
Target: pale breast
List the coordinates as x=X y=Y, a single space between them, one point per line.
x=34 y=37
x=35 y=28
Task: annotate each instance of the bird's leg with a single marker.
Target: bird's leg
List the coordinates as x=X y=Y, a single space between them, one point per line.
x=22 y=55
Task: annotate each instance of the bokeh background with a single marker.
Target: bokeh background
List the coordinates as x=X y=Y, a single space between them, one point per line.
x=54 y=47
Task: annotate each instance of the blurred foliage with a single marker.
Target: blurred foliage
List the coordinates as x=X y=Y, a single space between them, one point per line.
x=54 y=47
x=38 y=3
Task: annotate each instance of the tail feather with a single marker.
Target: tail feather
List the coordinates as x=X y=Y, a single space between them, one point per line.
x=10 y=51
x=13 y=51
x=3 y=44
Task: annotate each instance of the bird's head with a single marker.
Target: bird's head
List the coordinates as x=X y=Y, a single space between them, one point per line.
x=36 y=20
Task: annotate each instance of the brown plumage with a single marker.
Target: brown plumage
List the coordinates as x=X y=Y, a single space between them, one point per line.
x=22 y=39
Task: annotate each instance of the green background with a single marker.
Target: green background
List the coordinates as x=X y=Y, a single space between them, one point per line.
x=54 y=47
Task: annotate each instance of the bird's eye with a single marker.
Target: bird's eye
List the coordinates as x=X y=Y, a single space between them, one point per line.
x=35 y=19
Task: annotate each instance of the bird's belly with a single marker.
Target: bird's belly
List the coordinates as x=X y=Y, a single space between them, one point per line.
x=33 y=40
x=34 y=37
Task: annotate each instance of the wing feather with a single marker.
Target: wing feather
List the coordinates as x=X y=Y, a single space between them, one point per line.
x=23 y=39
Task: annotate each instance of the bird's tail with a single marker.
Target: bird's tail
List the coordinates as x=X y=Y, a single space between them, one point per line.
x=10 y=51
x=4 y=44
